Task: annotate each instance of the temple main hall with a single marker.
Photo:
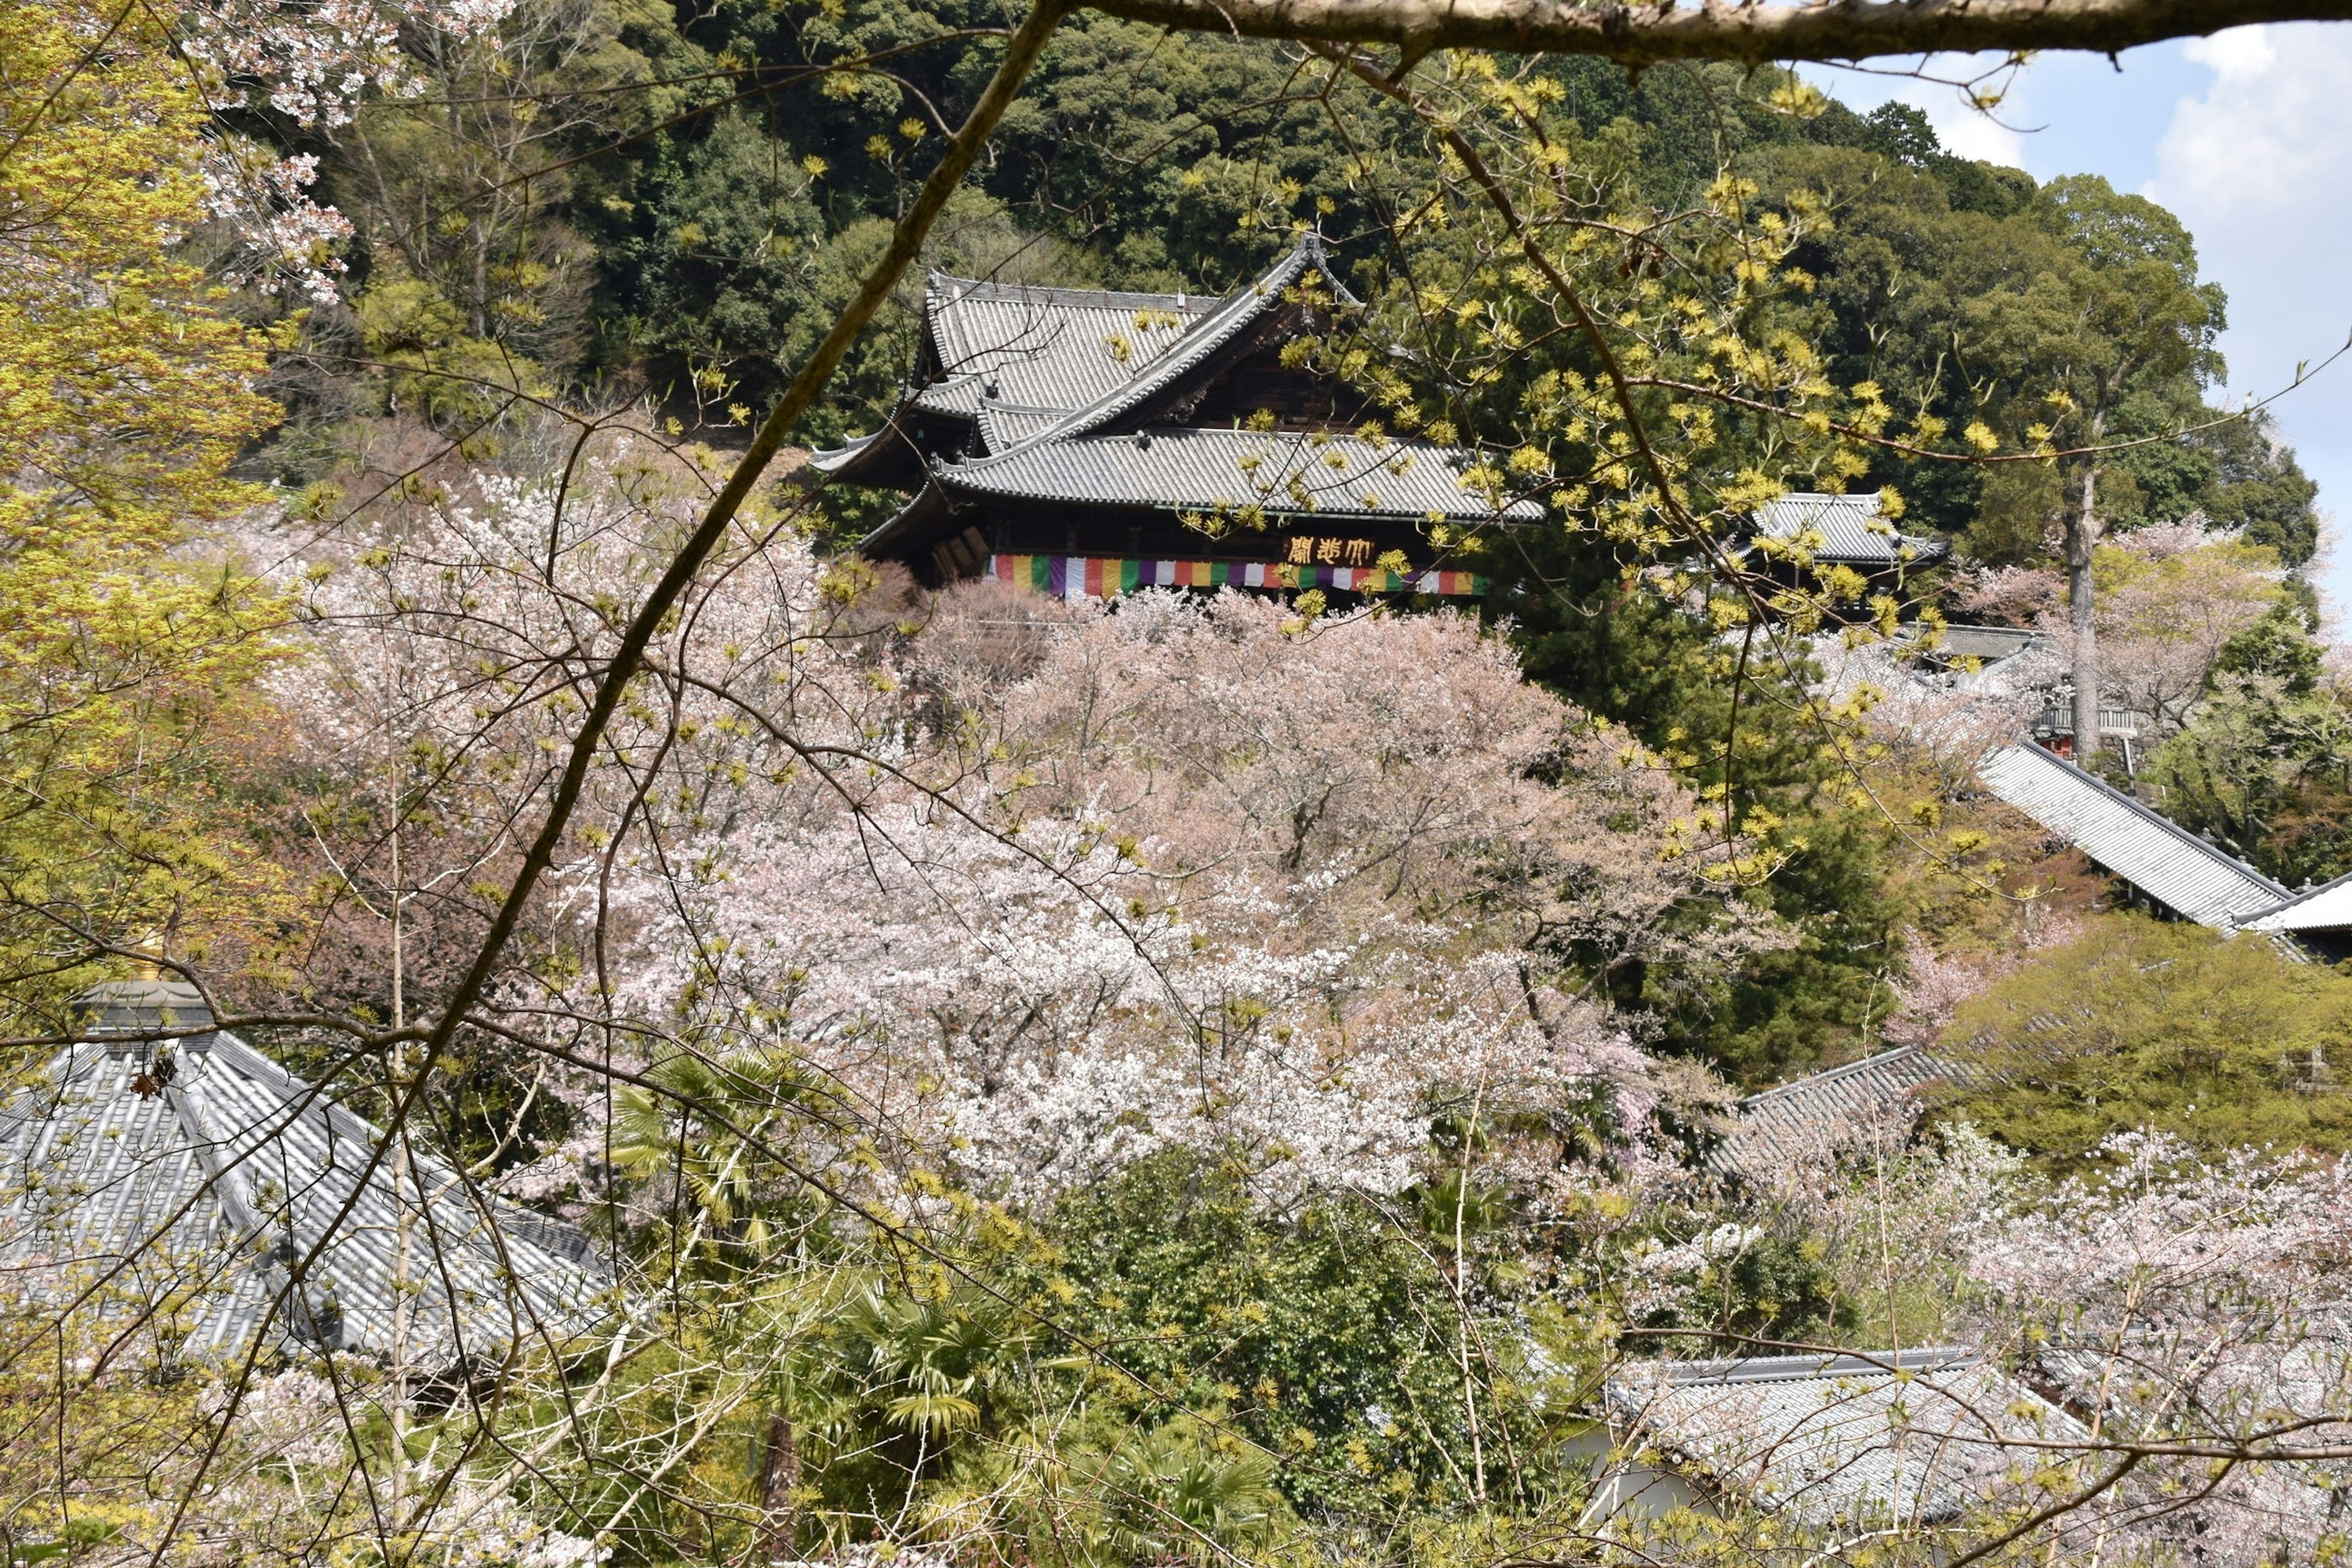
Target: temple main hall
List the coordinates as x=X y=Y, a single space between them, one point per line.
x=1091 y=442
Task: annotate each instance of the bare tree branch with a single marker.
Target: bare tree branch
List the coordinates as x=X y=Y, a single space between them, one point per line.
x=1650 y=34
x=1020 y=53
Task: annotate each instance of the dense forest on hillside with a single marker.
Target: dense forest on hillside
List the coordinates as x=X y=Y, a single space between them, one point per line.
x=698 y=222
x=1206 y=1078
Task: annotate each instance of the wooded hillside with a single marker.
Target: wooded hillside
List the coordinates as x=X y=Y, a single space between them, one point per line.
x=667 y=1039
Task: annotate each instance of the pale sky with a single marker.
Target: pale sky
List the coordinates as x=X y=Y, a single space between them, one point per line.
x=2248 y=136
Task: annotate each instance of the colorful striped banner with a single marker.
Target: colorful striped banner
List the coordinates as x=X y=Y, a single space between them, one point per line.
x=1098 y=576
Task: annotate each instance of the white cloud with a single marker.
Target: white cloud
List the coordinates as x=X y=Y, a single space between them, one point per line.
x=1970 y=132
x=2271 y=125
x=1961 y=127
x=2255 y=165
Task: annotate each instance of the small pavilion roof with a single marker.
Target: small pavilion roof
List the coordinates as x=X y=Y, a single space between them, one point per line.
x=1867 y=1438
x=1853 y=531
x=1816 y=1115
x=2163 y=859
x=1990 y=644
x=187 y=1182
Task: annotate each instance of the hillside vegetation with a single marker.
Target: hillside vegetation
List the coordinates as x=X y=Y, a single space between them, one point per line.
x=1201 y=1078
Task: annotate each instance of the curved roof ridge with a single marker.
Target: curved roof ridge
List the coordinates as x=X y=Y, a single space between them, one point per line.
x=945 y=289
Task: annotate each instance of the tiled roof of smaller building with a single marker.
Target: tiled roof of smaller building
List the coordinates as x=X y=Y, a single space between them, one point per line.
x=185 y=1182
x=1986 y=643
x=1865 y=1440
x=1814 y=1116
x=2172 y=865
x=1853 y=530
x=2327 y=906
x=1278 y=472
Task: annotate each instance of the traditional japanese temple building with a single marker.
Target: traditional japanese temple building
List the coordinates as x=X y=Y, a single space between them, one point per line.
x=1095 y=442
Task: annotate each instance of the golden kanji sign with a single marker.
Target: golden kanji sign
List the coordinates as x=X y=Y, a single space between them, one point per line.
x=1307 y=550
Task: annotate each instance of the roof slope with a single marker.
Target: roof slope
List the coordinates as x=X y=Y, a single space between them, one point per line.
x=2327 y=906
x=1205 y=343
x=2158 y=856
x=1026 y=363
x=192 y=1193
x=1872 y=1438
x=1853 y=531
x=1045 y=348
x=1230 y=469
x=1819 y=1114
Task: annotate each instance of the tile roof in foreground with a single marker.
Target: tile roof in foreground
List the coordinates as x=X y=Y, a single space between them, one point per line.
x=193 y=1191
x=2161 y=858
x=1864 y=1439
x=1817 y=1115
x=1853 y=531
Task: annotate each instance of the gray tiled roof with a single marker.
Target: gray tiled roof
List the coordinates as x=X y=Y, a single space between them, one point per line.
x=1025 y=362
x=1871 y=1439
x=1228 y=326
x=1853 y=533
x=1812 y=1115
x=1282 y=472
x=1096 y=355
x=2327 y=906
x=1063 y=418
x=188 y=1200
x=1986 y=643
x=1047 y=348
x=1004 y=426
x=2161 y=858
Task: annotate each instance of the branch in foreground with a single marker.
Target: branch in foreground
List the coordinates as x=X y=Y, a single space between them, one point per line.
x=628 y=659
x=1650 y=34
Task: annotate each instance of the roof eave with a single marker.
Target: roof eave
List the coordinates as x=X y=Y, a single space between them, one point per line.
x=949 y=477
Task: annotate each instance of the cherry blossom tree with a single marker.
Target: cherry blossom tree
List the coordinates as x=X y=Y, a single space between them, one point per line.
x=312 y=64
x=1043 y=886
x=2193 y=1308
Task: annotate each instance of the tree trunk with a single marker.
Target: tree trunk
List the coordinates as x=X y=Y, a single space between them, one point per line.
x=779 y=1473
x=2082 y=538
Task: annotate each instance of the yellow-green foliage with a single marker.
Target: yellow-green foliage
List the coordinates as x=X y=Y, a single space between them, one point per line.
x=125 y=395
x=2142 y=1023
